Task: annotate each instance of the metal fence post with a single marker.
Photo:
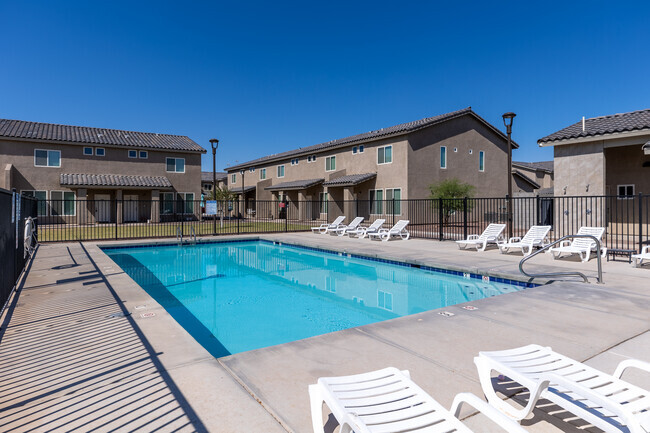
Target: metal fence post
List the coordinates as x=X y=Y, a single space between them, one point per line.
x=116 y=237
x=465 y=218
x=286 y=215
x=392 y=211
x=640 y=222
x=441 y=234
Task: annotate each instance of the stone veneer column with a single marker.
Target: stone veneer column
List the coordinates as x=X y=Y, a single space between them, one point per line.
x=155 y=206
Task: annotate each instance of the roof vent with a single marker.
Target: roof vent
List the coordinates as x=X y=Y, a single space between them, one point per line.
x=583 y=123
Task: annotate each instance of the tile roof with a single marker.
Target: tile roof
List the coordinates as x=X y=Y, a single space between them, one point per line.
x=526 y=178
x=95 y=136
x=539 y=165
x=596 y=126
x=206 y=176
x=350 y=179
x=246 y=189
x=294 y=184
x=114 y=180
x=400 y=129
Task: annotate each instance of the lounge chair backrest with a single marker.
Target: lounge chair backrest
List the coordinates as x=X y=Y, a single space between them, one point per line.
x=355 y=222
x=337 y=221
x=399 y=226
x=377 y=224
x=535 y=233
x=587 y=243
x=492 y=231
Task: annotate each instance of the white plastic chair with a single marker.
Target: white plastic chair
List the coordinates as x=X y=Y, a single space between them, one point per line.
x=605 y=401
x=491 y=235
x=362 y=232
x=342 y=230
x=399 y=229
x=536 y=236
x=324 y=228
x=388 y=400
x=644 y=255
x=581 y=246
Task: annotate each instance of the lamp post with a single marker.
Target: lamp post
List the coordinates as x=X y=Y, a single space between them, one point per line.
x=215 y=144
x=507 y=121
x=243 y=196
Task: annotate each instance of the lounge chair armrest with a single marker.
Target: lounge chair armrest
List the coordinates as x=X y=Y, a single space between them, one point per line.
x=594 y=397
x=472 y=237
x=514 y=239
x=355 y=423
x=645 y=249
x=489 y=411
x=631 y=363
x=565 y=243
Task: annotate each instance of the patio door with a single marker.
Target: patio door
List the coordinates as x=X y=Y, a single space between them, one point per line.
x=103 y=208
x=130 y=208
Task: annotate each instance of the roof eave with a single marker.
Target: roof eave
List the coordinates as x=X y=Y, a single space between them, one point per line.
x=107 y=145
x=595 y=137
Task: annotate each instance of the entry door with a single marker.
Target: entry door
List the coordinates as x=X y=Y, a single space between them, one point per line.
x=130 y=208
x=103 y=208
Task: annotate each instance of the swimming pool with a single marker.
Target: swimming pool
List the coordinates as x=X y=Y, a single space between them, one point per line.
x=238 y=296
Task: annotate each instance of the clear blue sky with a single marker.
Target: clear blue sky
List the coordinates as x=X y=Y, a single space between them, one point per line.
x=272 y=76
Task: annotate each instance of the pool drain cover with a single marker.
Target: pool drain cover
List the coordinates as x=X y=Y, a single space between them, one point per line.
x=115 y=315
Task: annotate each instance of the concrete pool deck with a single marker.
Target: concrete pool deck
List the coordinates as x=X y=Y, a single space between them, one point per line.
x=70 y=361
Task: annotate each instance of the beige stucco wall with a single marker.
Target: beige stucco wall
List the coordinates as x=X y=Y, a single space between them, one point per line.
x=625 y=167
x=579 y=165
x=544 y=179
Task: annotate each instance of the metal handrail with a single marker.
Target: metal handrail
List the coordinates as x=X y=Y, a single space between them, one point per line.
x=179 y=234
x=575 y=273
x=192 y=234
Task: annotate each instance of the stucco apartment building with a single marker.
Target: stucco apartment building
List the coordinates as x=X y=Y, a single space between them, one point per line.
x=398 y=162
x=94 y=175
x=532 y=178
x=207 y=179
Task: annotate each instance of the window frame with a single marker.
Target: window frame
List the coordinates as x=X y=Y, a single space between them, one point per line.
x=39 y=201
x=164 y=202
x=362 y=148
x=88 y=148
x=626 y=196
x=262 y=173
x=294 y=161
x=332 y=163
x=383 y=148
x=389 y=201
x=251 y=170
x=383 y=300
x=62 y=201
x=355 y=150
x=182 y=196
x=443 y=161
x=481 y=161
x=311 y=158
x=145 y=152
x=47 y=151
x=135 y=154
x=97 y=149
x=175 y=164
x=278 y=171
x=233 y=178
x=374 y=200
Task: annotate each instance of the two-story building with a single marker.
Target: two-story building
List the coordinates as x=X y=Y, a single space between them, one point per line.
x=399 y=162
x=90 y=175
x=206 y=182
x=532 y=178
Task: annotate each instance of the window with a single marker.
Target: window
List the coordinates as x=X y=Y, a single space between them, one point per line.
x=443 y=157
x=100 y=151
x=133 y=153
x=233 y=178
x=41 y=204
x=385 y=155
x=625 y=191
x=311 y=158
x=280 y=170
x=144 y=154
x=263 y=174
x=394 y=193
x=176 y=165
x=251 y=170
x=62 y=203
x=167 y=203
x=294 y=161
x=330 y=163
x=354 y=150
x=88 y=151
x=481 y=161
x=361 y=149
x=376 y=201
x=47 y=158
x=186 y=202
x=207 y=186
x=385 y=300
x=322 y=201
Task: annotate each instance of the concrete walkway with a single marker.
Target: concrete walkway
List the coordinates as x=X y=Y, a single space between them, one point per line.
x=70 y=361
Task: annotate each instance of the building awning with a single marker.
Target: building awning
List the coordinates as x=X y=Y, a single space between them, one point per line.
x=247 y=189
x=114 y=181
x=350 y=180
x=294 y=185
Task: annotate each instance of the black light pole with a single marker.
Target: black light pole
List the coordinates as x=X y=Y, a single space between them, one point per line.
x=243 y=197
x=507 y=121
x=215 y=144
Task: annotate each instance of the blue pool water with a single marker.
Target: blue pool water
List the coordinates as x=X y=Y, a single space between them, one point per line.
x=238 y=296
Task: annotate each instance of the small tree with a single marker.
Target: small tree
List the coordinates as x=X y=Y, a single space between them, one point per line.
x=222 y=194
x=452 y=192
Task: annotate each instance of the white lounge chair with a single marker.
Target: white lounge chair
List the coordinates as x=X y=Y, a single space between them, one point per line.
x=639 y=258
x=536 y=236
x=605 y=401
x=324 y=228
x=389 y=401
x=343 y=229
x=362 y=232
x=491 y=235
x=399 y=229
x=581 y=246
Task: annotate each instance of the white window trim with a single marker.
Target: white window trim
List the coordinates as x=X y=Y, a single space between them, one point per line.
x=446 y=158
x=391 y=155
x=88 y=154
x=251 y=170
x=383 y=199
x=311 y=158
x=362 y=148
x=128 y=153
x=626 y=197
x=34 y=191
x=48 y=158
x=168 y=158
x=330 y=158
x=100 y=148
x=233 y=178
x=386 y=199
x=146 y=154
x=481 y=153
x=355 y=150
x=184 y=194
x=277 y=171
x=62 y=201
x=263 y=177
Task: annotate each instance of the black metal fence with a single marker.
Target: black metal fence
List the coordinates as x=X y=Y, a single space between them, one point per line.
x=626 y=219
x=14 y=210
